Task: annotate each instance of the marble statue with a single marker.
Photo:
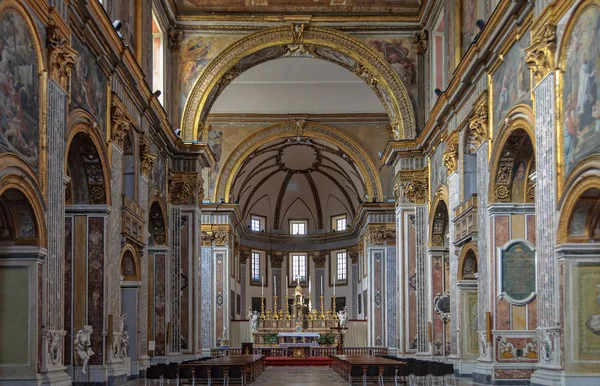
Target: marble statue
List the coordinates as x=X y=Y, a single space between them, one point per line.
x=343 y=317
x=124 y=344
x=254 y=323
x=225 y=333
x=83 y=345
x=122 y=322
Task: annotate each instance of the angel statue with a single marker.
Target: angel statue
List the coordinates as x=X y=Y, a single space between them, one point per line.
x=254 y=322
x=343 y=317
x=124 y=343
x=83 y=345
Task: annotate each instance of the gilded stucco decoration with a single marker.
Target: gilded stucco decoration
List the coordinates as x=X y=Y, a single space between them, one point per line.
x=411 y=186
x=276 y=260
x=147 y=159
x=319 y=260
x=450 y=156
x=271 y=43
x=120 y=121
x=540 y=55
x=61 y=56
x=439 y=223
x=421 y=41
x=514 y=163
x=478 y=126
x=353 y=254
x=380 y=235
x=185 y=188
x=220 y=236
x=308 y=129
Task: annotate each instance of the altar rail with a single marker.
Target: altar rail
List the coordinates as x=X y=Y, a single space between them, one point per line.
x=314 y=351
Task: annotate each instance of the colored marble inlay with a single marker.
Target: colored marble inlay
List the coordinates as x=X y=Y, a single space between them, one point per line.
x=219 y=279
x=95 y=280
x=68 y=286
x=159 y=304
x=378 y=310
x=185 y=297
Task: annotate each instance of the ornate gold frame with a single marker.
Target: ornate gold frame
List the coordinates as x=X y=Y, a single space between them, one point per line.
x=197 y=103
x=471 y=245
x=136 y=260
x=441 y=194
x=309 y=129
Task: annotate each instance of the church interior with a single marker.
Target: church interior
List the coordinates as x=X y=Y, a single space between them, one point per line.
x=296 y=179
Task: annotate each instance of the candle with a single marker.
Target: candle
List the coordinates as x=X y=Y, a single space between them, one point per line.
x=321 y=285
x=334 y=286
x=262 y=286
x=275 y=284
x=309 y=286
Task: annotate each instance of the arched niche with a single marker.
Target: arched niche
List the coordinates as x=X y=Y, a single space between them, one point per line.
x=157 y=224
x=513 y=159
x=129 y=165
x=468 y=262
x=130 y=266
x=439 y=219
x=86 y=165
x=297 y=40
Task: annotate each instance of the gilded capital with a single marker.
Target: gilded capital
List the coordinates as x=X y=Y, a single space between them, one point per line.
x=478 y=125
x=319 y=260
x=175 y=38
x=353 y=254
x=450 y=156
x=185 y=188
x=379 y=235
x=120 y=121
x=420 y=42
x=146 y=158
x=540 y=55
x=411 y=186
x=276 y=260
x=61 y=57
x=220 y=236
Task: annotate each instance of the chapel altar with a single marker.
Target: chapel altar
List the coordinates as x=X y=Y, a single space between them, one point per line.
x=299 y=325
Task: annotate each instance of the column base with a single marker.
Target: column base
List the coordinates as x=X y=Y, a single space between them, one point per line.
x=35 y=381
x=99 y=375
x=464 y=367
x=482 y=372
x=143 y=364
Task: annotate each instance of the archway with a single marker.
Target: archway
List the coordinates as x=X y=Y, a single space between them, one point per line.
x=125 y=340
x=307 y=41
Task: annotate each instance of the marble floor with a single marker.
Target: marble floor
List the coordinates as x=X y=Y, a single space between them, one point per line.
x=297 y=376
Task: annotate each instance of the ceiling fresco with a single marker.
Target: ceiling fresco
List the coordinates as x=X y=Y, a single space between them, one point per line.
x=314 y=7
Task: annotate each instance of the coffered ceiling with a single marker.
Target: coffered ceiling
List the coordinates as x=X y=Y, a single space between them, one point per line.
x=312 y=7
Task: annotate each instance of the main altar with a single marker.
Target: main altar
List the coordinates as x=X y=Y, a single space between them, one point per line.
x=298 y=327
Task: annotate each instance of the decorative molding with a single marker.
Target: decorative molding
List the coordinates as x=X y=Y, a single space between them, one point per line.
x=421 y=41
x=147 y=159
x=540 y=55
x=411 y=187
x=61 y=57
x=185 y=188
x=380 y=235
x=297 y=31
x=276 y=259
x=319 y=260
x=353 y=254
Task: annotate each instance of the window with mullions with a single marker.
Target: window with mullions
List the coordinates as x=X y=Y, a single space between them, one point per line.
x=342 y=267
x=298 y=227
x=255 y=275
x=255 y=225
x=298 y=267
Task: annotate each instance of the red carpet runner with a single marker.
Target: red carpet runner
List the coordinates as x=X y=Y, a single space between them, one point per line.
x=310 y=361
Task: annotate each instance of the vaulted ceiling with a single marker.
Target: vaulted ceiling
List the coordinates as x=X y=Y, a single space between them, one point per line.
x=298 y=178
x=313 y=7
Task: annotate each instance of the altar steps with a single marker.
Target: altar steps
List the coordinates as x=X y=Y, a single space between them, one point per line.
x=286 y=361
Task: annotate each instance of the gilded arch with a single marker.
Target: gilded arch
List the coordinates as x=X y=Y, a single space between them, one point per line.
x=514 y=135
x=468 y=261
x=439 y=217
x=16 y=174
x=130 y=264
x=320 y=42
x=158 y=221
x=309 y=129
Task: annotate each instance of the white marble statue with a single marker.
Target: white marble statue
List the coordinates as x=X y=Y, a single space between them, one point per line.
x=593 y=323
x=83 y=345
x=225 y=337
x=124 y=344
x=122 y=322
x=254 y=323
x=343 y=317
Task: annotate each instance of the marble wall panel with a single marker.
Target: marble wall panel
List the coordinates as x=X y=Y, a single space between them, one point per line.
x=68 y=287
x=391 y=300
x=378 y=294
x=185 y=293
x=411 y=267
x=513 y=373
x=160 y=321
x=219 y=299
x=95 y=290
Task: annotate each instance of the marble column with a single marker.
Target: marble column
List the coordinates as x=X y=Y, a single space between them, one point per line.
x=548 y=275
x=206 y=300
x=142 y=349
x=391 y=299
x=174 y=286
x=422 y=280
x=454 y=187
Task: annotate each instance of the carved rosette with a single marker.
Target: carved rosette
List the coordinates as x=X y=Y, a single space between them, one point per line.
x=380 y=235
x=421 y=42
x=120 y=121
x=175 y=38
x=146 y=159
x=478 y=125
x=61 y=57
x=450 y=156
x=319 y=260
x=540 y=55
x=185 y=188
x=276 y=260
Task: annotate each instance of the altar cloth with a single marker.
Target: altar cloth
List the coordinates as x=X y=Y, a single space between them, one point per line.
x=300 y=334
